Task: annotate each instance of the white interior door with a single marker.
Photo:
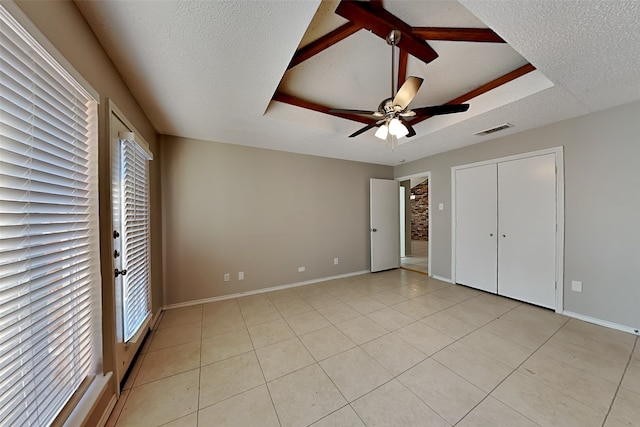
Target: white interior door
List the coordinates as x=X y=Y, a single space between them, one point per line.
x=476 y=227
x=527 y=229
x=384 y=224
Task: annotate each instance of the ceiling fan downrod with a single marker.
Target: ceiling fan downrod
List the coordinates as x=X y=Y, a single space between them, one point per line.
x=392 y=40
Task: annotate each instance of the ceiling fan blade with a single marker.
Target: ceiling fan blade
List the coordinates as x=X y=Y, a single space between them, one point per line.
x=412 y=131
x=407 y=92
x=356 y=112
x=440 y=109
x=364 y=129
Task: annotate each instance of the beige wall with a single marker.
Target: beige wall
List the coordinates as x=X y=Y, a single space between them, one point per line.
x=602 y=201
x=229 y=208
x=63 y=25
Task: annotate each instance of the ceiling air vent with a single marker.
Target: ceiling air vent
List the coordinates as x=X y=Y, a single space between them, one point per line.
x=495 y=129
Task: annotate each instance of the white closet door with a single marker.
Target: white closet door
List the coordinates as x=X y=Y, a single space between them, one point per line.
x=476 y=215
x=527 y=229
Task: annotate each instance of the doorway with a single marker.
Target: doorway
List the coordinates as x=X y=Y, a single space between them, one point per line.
x=417 y=230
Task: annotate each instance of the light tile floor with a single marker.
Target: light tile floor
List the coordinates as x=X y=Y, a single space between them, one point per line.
x=387 y=349
x=419 y=258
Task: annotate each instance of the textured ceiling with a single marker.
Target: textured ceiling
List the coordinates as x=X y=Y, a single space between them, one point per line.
x=208 y=69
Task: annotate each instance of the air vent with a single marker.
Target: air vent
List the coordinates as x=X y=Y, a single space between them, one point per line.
x=495 y=129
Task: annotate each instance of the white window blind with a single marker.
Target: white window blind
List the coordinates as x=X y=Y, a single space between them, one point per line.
x=136 y=292
x=49 y=260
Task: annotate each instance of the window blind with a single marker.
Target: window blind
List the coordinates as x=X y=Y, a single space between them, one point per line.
x=49 y=259
x=136 y=290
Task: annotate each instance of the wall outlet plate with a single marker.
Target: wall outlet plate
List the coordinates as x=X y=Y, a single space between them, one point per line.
x=301 y=269
x=335 y=261
x=576 y=286
x=241 y=275
x=227 y=277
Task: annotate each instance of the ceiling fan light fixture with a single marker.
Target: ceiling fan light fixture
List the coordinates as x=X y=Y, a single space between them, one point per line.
x=382 y=132
x=397 y=129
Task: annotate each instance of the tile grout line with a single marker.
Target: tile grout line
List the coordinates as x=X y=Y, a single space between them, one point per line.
x=371 y=295
x=455 y=373
x=266 y=384
x=512 y=372
x=615 y=395
x=393 y=377
x=200 y=364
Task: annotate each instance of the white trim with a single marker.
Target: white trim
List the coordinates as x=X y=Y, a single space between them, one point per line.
x=559 y=229
x=22 y=18
x=601 y=322
x=141 y=333
x=552 y=150
x=559 y=159
x=429 y=197
x=261 y=291
x=112 y=108
x=453 y=224
x=107 y=412
x=442 y=279
x=87 y=403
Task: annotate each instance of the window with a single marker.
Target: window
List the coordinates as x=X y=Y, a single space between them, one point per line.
x=134 y=212
x=50 y=339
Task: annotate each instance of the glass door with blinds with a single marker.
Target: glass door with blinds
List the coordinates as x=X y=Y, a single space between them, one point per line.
x=131 y=234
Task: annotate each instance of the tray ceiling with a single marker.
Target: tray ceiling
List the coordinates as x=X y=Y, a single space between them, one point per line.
x=210 y=70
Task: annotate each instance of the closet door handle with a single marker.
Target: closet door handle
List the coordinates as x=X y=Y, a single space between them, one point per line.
x=504 y=235
x=491 y=234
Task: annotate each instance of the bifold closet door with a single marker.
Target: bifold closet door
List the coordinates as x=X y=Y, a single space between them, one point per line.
x=527 y=229
x=476 y=223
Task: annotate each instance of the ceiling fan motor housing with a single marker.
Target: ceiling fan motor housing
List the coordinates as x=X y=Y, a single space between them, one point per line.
x=386 y=107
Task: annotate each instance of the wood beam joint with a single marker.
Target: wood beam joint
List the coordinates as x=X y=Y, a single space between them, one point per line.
x=381 y=22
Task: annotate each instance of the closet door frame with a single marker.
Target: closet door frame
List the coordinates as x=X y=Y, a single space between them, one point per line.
x=559 y=159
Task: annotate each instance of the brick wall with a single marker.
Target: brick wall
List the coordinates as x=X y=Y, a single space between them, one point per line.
x=420 y=212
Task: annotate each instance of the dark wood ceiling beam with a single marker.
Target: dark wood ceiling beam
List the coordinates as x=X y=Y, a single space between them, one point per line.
x=381 y=22
x=486 y=87
x=328 y=40
x=292 y=100
x=402 y=68
x=483 y=35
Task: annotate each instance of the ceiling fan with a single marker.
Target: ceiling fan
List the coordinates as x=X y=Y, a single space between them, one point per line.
x=393 y=116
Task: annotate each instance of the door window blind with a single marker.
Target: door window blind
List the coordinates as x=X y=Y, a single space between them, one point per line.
x=136 y=292
x=49 y=260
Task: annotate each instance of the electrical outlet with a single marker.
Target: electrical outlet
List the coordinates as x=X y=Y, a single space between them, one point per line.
x=227 y=277
x=576 y=286
x=301 y=269
x=335 y=261
x=241 y=275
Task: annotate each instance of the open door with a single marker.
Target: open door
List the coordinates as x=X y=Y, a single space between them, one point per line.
x=385 y=224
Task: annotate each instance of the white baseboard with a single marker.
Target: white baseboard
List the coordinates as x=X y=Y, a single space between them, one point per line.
x=443 y=279
x=601 y=322
x=261 y=291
